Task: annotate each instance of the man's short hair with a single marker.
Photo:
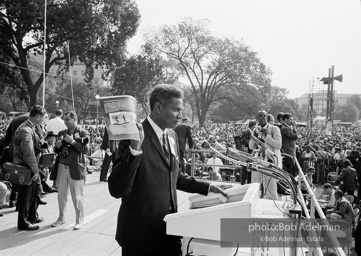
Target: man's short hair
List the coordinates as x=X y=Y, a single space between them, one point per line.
x=37 y=110
x=163 y=93
x=279 y=116
x=72 y=115
x=286 y=116
x=59 y=112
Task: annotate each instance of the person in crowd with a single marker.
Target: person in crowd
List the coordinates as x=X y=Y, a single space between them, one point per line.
x=26 y=149
x=184 y=133
x=213 y=175
x=337 y=155
x=270 y=118
x=340 y=163
x=214 y=160
x=309 y=179
x=267 y=138
x=50 y=140
x=308 y=158
x=342 y=209
x=322 y=159
x=3 y=189
x=198 y=170
x=56 y=124
x=328 y=195
x=149 y=169
x=246 y=176
x=289 y=137
x=347 y=179
x=69 y=170
x=279 y=119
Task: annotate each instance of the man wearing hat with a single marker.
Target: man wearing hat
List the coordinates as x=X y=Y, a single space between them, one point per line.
x=26 y=149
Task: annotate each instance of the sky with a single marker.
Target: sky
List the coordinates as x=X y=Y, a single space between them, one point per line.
x=299 y=40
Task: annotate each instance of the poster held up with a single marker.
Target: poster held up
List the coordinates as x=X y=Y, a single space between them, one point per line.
x=120 y=115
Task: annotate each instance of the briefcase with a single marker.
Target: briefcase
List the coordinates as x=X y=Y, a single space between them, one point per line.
x=17 y=174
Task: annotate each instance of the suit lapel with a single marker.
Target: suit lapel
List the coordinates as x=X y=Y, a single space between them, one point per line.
x=154 y=139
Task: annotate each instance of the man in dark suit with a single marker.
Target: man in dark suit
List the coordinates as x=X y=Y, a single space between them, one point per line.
x=184 y=133
x=69 y=169
x=27 y=146
x=146 y=176
x=110 y=148
x=289 y=137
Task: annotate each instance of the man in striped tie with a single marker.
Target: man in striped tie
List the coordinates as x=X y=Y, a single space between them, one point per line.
x=146 y=176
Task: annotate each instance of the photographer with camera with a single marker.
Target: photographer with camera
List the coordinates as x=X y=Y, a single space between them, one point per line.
x=70 y=168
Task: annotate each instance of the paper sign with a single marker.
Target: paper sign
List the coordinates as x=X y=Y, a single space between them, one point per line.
x=120 y=115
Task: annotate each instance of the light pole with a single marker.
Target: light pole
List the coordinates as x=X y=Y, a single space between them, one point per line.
x=57 y=104
x=97 y=98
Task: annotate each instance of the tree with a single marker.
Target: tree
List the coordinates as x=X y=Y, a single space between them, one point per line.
x=95 y=31
x=209 y=63
x=138 y=74
x=347 y=113
x=278 y=102
x=355 y=100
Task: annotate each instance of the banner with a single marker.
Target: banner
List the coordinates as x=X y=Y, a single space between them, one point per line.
x=120 y=115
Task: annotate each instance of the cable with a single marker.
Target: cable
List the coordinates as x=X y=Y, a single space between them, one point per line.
x=287 y=214
x=235 y=254
x=189 y=242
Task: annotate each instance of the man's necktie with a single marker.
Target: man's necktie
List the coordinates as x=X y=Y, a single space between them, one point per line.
x=165 y=146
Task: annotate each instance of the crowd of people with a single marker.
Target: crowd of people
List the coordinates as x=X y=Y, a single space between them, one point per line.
x=331 y=162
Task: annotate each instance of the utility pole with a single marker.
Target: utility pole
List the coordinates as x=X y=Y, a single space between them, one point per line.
x=330 y=97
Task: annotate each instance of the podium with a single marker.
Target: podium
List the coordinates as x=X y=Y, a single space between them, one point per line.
x=204 y=224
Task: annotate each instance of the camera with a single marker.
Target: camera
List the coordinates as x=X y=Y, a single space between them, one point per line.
x=82 y=140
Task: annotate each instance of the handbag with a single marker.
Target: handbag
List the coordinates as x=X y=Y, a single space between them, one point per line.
x=17 y=174
x=46 y=160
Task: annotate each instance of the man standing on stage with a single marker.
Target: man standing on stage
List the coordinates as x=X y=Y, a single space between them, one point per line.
x=289 y=137
x=270 y=136
x=146 y=176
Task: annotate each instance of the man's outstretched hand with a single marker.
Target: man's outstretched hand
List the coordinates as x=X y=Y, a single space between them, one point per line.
x=217 y=189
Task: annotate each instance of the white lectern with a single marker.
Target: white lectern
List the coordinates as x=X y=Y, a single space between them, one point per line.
x=204 y=224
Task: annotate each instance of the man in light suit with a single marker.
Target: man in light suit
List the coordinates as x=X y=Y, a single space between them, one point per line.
x=146 y=176
x=270 y=135
x=69 y=169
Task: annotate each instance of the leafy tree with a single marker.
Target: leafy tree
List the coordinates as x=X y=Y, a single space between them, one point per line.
x=84 y=99
x=355 y=100
x=279 y=102
x=137 y=75
x=347 y=113
x=209 y=63
x=95 y=31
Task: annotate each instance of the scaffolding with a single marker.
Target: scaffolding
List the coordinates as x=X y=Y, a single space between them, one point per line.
x=317 y=99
